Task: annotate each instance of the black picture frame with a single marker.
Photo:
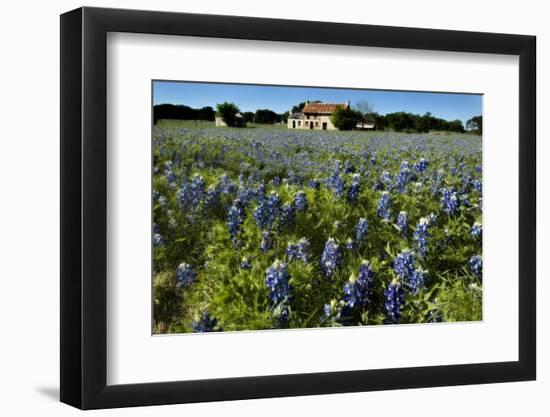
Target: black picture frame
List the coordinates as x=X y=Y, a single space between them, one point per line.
x=84 y=207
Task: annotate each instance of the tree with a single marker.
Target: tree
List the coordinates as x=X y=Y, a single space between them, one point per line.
x=248 y=116
x=456 y=126
x=401 y=121
x=345 y=118
x=206 y=113
x=424 y=123
x=364 y=107
x=366 y=110
x=475 y=124
x=182 y=112
x=228 y=112
x=299 y=107
x=265 y=116
x=377 y=119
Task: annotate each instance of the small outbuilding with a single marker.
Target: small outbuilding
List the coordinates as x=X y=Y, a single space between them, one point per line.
x=239 y=121
x=365 y=126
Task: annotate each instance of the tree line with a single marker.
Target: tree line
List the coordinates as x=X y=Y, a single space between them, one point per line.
x=347 y=119
x=182 y=112
x=228 y=111
x=342 y=118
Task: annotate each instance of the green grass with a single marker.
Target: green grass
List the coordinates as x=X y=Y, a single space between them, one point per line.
x=175 y=124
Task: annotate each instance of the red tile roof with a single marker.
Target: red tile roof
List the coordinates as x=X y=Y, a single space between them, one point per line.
x=323 y=108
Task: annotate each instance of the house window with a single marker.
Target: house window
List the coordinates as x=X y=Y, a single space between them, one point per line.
x=299 y=123
x=316 y=123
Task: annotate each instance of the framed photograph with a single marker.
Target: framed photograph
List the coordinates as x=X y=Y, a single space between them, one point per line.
x=256 y=208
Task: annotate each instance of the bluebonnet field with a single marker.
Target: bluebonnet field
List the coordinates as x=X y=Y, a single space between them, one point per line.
x=271 y=228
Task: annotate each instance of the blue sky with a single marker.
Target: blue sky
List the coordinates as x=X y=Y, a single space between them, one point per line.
x=281 y=99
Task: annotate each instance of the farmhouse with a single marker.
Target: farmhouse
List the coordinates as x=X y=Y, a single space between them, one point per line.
x=315 y=116
x=239 y=121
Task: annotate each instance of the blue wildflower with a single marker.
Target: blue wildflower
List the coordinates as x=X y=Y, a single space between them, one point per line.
x=438 y=177
x=212 y=194
x=331 y=258
x=197 y=189
x=403 y=177
x=337 y=184
x=477 y=185
x=449 y=201
x=361 y=229
x=289 y=214
x=168 y=172
x=185 y=275
x=349 y=243
x=416 y=281
x=403 y=221
x=476 y=265
x=327 y=311
x=358 y=290
x=300 y=251
x=354 y=188
x=277 y=281
x=331 y=311
x=315 y=184
x=476 y=230
x=421 y=235
x=267 y=211
x=421 y=165
x=292 y=178
x=192 y=193
x=163 y=202
x=205 y=324
x=266 y=242
x=385 y=180
x=226 y=185
x=158 y=239
x=234 y=221
x=403 y=265
x=246 y=195
x=395 y=297
x=245 y=263
x=384 y=205
x=300 y=200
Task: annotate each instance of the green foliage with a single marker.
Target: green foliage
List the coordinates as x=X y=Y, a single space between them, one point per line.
x=181 y=112
x=238 y=297
x=265 y=116
x=409 y=122
x=475 y=124
x=300 y=106
x=345 y=118
x=228 y=112
x=248 y=117
x=167 y=307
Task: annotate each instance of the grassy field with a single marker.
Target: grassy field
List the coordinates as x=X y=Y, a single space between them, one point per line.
x=264 y=228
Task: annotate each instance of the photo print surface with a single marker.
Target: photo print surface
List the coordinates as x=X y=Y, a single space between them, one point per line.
x=282 y=207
